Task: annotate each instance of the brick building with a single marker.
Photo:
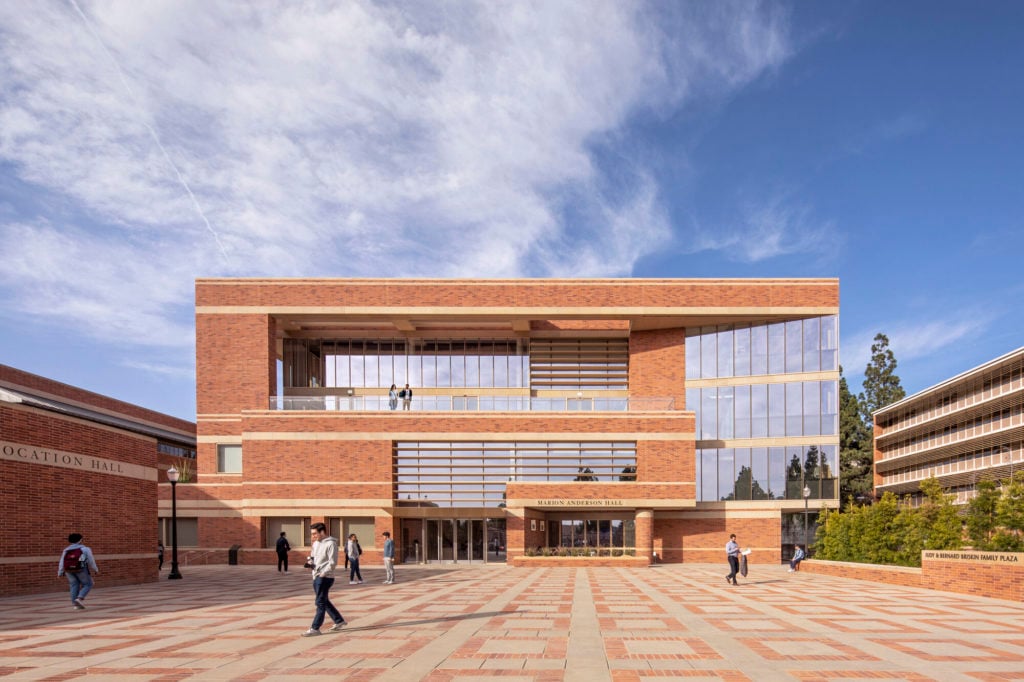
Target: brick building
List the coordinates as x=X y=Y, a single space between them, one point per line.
x=76 y=461
x=610 y=418
x=963 y=430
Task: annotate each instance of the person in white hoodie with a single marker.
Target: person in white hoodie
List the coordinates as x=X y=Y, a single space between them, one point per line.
x=78 y=564
x=324 y=559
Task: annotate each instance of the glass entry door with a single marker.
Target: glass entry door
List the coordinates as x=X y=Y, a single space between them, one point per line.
x=454 y=540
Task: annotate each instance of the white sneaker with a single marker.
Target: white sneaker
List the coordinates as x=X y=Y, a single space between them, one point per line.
x=80 y=603
x=792 y=570
x=311 y=633
x=351 y=582
x=338 y=626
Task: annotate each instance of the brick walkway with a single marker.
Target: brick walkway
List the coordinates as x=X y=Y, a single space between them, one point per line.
x=522 y=625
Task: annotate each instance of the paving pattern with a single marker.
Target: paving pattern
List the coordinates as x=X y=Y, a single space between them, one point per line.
x=482 y=624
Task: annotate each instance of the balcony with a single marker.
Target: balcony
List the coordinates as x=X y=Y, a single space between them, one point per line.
x=470 y=403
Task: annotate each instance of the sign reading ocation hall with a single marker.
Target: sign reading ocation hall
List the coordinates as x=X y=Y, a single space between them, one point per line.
x=31 y=454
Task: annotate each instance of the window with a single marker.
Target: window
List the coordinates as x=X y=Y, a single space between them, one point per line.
x=229 y=459
x=188 y=532
x=296 y=529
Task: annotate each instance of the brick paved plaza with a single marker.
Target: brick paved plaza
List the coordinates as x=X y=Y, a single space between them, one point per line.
x=514 y=624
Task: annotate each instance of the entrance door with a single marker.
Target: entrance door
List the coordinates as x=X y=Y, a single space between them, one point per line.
x=454 y=540
x=469 y=541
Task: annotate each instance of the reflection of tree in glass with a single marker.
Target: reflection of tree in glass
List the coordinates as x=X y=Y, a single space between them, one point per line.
x=628 y=474
x=585 y=474
x=746 y=488
x=811 y=463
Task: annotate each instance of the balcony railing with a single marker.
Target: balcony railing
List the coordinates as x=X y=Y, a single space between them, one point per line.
x=447 y=403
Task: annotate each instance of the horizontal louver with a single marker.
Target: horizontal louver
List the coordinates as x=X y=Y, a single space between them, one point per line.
x=579 y=363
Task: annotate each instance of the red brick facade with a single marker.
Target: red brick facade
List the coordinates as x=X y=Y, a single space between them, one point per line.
x=64 y=474
x=339 y=464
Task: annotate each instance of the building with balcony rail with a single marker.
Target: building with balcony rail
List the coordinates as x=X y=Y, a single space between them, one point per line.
x=643 y=420
x=966 y=429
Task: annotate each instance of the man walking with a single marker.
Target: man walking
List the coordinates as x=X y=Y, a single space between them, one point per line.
x=282 y=552
x=406 y=395
x=325 y=558
x=78 y=564
x=732 y=552
x=389 y=559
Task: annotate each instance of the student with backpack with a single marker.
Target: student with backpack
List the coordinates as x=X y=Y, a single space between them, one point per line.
x=78 y=564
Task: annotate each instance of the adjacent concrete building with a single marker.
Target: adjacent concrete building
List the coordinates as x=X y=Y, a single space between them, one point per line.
x=643 y=420
x=961 y=431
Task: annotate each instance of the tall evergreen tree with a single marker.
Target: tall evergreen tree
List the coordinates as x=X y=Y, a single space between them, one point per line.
x=881 y=384
x=855 y=448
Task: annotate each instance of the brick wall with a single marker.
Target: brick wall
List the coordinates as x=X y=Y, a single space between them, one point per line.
x=41 y=504
x=1002 y=578
x=657 y=365
x=700 y=539
x=892 y=575
x=523 y=294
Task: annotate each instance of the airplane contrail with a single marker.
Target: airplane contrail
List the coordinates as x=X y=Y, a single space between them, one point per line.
x=152 y=133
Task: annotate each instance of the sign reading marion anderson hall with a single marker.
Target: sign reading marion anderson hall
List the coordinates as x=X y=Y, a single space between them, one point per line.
x=31 y=454
x=974 y=557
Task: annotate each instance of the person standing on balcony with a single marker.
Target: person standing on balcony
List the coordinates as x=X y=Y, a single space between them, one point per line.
x=392 y=398
x=406 y=395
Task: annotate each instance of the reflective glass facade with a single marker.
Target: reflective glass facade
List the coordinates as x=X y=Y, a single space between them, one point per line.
x=770 y=409
x=779 y=473
x=809 y=345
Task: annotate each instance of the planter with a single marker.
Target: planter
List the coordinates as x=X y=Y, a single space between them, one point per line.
x=579 y=561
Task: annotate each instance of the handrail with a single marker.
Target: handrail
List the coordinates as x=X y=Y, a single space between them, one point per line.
x=471 y=403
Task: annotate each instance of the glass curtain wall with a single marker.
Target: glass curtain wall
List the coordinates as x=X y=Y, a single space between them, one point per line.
x=420 y=363
x=810 y=345
x=780 y=473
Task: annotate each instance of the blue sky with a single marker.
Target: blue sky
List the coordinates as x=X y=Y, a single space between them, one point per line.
x=143 y=145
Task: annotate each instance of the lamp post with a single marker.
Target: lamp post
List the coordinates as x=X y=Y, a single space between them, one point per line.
x=807 y=495
x=172 y=476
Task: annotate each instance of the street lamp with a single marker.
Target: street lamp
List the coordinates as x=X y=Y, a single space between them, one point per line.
x=172 y=476
x=807 y=494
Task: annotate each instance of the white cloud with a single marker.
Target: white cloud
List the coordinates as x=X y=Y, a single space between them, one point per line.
x=769 y=230
x=350 y=139
x=912 y=339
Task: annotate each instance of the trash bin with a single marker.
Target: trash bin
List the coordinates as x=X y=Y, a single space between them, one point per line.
x=233 y=555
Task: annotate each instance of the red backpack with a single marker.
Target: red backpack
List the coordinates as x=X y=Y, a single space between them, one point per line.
x=73 y=560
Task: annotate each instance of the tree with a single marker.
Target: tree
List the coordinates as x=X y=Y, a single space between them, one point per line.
x=585 y=474
x=981 y=515
x=881 y=384
x=855 y=448
x=628 y=474
x=1010 y=514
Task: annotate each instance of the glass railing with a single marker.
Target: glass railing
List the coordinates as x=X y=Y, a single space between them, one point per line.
x=447 y=403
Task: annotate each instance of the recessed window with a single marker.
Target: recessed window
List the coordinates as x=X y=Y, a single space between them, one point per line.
x=229 y=459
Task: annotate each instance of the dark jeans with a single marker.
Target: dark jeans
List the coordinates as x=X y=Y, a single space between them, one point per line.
x=322 y=588
x=795 y=563
x=282 y=560
x=734 y=568
x=353 y=570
